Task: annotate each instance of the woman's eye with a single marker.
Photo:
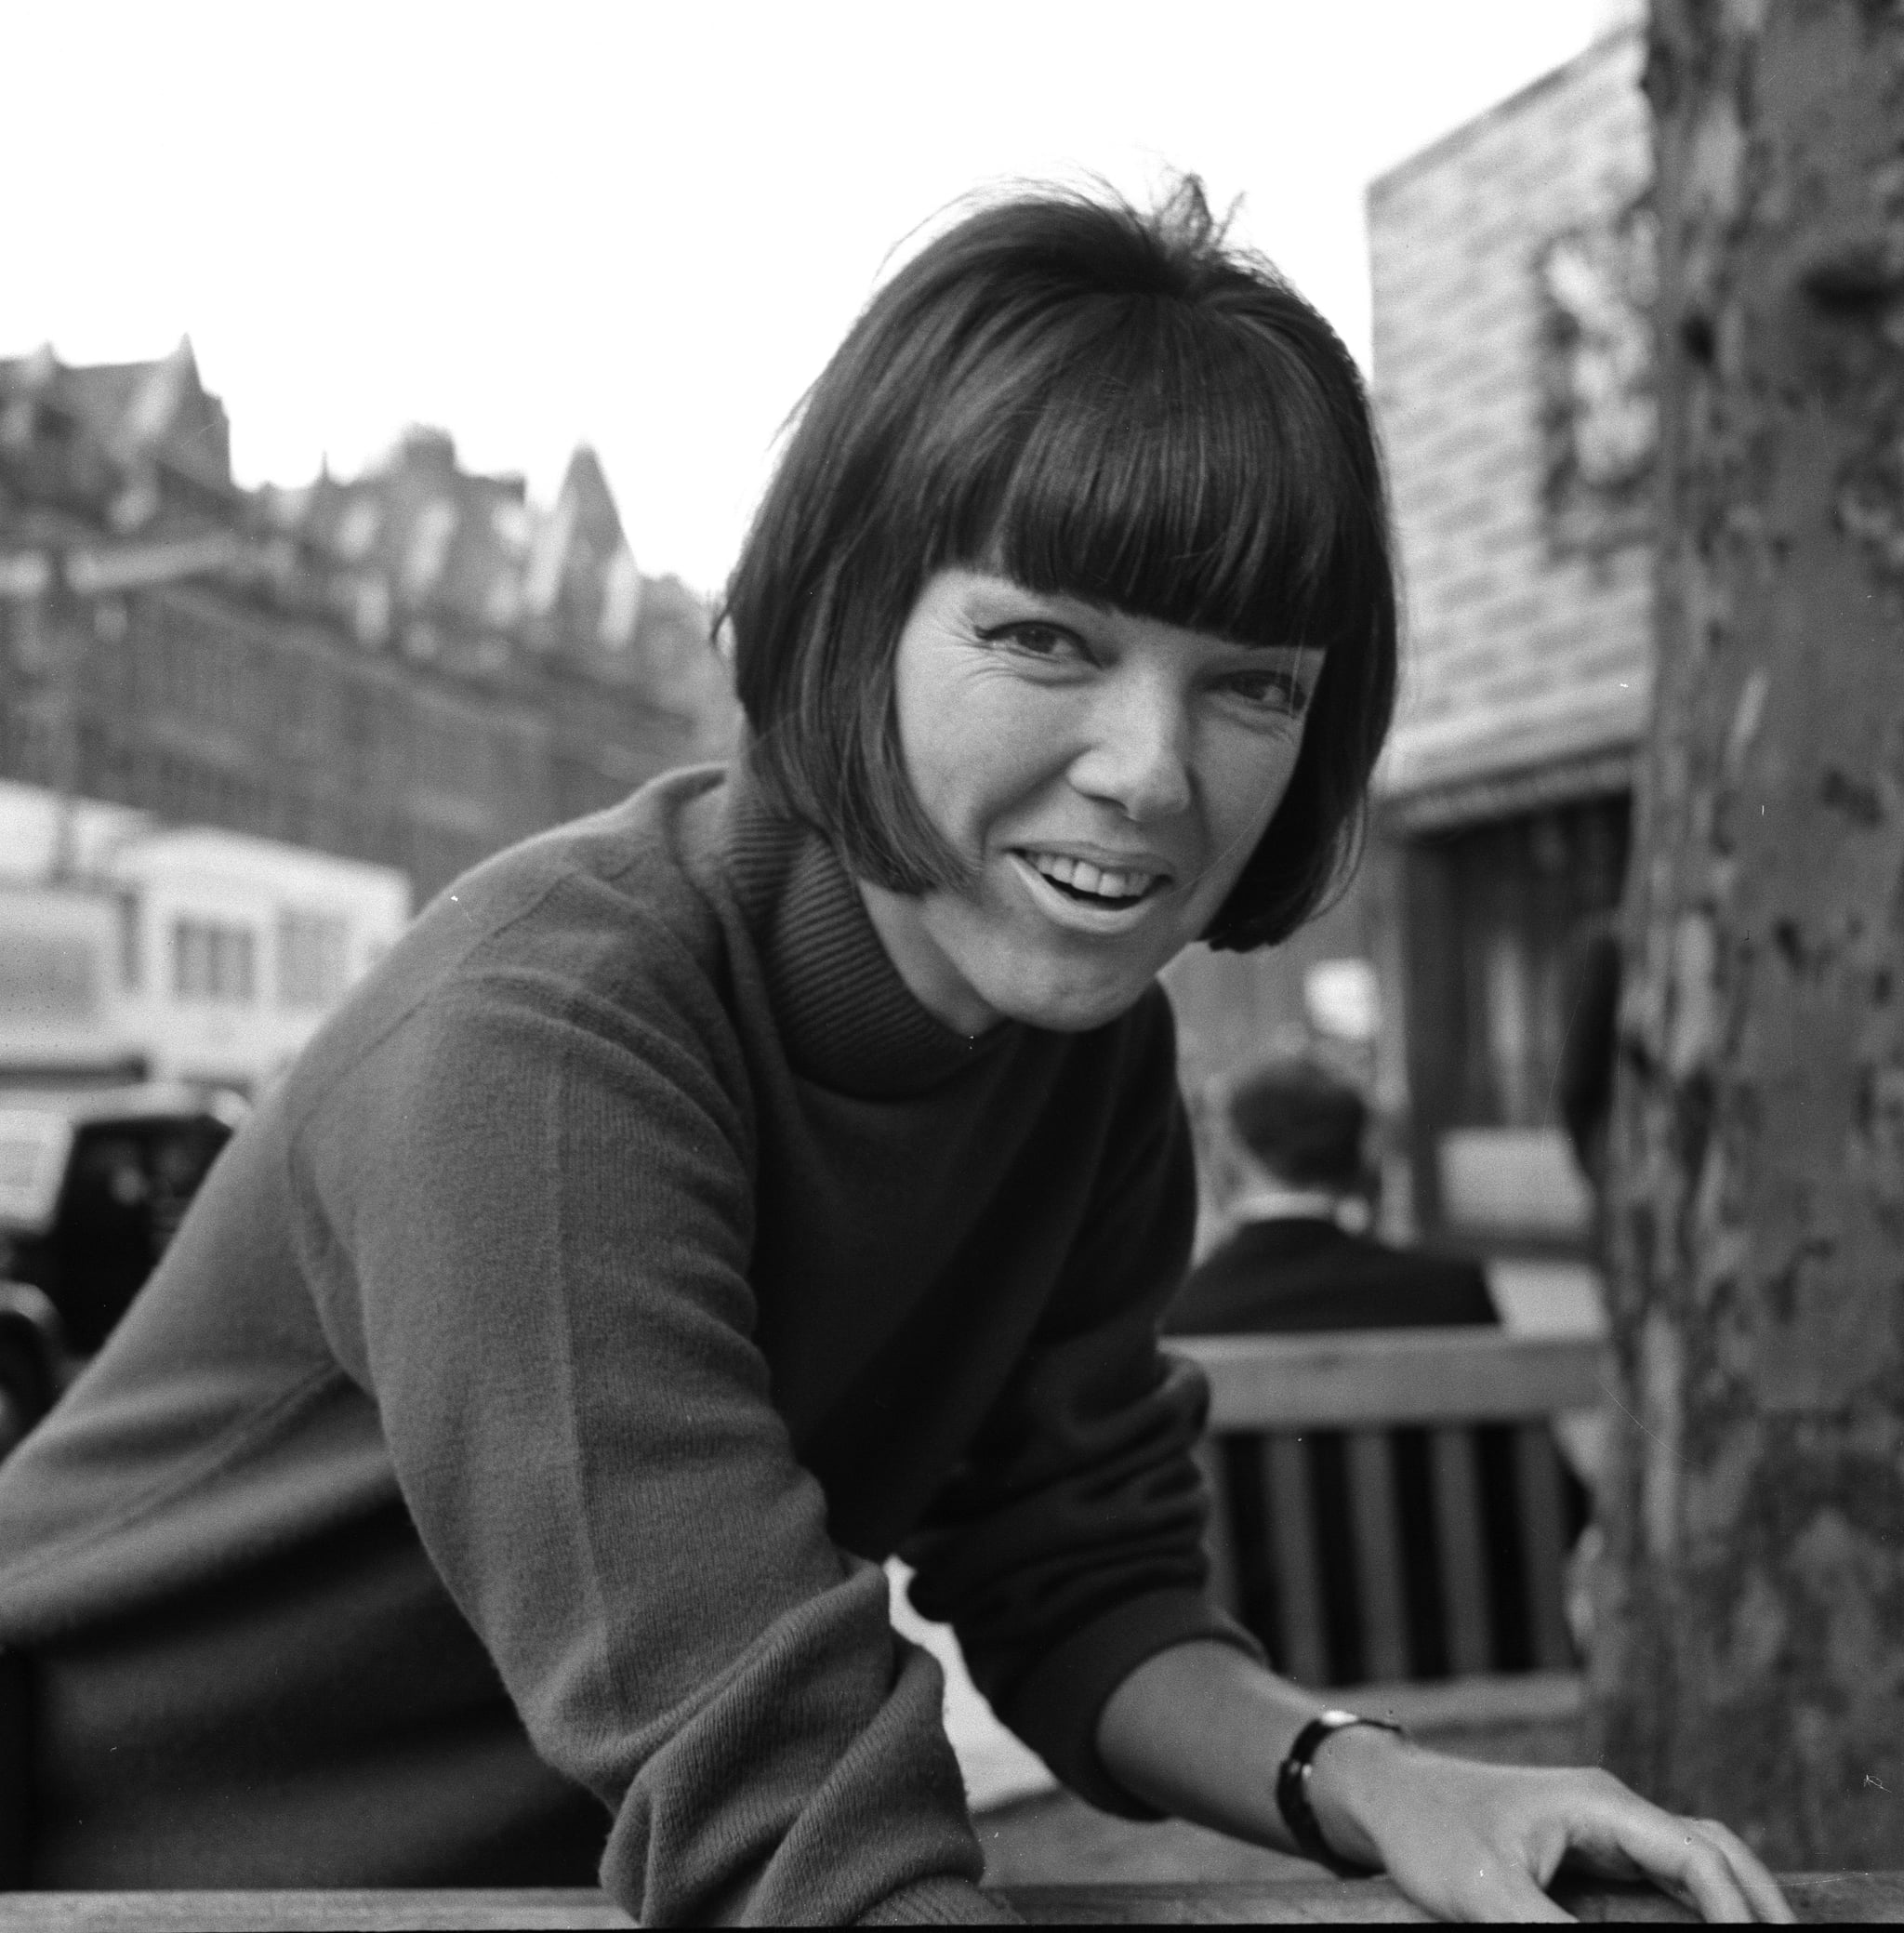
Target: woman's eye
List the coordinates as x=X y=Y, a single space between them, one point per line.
x=1268 y=691
x=1041 y=641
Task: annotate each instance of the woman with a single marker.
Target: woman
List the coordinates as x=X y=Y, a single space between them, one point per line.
x=781 y=1169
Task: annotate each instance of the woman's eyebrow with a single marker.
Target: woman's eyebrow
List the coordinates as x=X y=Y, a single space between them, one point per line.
x=1002 y=596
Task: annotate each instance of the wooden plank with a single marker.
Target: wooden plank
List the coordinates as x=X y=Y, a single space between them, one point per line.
x=1382 y=1602
x=1394 y=1376
x=1220 y=1534
x=1463 y=1567
x=339 y=1909
x=1543 y=1541
x=1214 y=1903
x=1304 y=1653
x=1815 y=1896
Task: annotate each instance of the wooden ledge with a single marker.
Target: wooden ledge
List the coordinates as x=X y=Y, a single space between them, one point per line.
x=1816 y=1897
x=330 y=1910
x=1385 y=1377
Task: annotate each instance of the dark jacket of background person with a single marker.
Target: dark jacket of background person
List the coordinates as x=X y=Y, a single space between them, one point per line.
x=492 y=1471
x=1305 y=1273
x=1301 y=1128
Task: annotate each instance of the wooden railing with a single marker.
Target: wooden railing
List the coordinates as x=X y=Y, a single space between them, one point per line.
x=1814 y=1896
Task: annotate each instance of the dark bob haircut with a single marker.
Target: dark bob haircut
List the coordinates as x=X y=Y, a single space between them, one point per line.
x=1097 y=401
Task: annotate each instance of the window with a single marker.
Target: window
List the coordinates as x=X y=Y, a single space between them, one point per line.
x=312 y=964
x=213 y=962
x=131 y=954
x=1499 y=917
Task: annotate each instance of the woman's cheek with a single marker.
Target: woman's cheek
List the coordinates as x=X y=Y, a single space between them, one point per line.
x=1013 y=743
x=1252 y=784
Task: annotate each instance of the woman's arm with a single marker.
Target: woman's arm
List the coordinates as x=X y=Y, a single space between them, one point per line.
x=1068 y=1547
x=1199 y=1731
x=528 y=1218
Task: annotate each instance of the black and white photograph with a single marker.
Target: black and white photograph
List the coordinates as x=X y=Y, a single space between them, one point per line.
x=951 y=963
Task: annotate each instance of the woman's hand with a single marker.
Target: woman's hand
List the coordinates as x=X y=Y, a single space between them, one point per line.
x=1469 y=1841
x=1198 y=1730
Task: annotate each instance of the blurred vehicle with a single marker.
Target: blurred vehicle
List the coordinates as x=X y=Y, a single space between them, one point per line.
x=93 y=1185
x=33 y=1359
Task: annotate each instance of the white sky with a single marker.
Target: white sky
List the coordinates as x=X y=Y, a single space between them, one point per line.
x=646 y=226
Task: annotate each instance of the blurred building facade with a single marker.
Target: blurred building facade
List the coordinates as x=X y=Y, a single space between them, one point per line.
x=1513 y=273
x=133 y=949
x=412 y=667
x=1512 y=266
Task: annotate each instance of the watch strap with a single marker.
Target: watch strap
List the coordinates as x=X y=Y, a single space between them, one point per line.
x=1292 y=1789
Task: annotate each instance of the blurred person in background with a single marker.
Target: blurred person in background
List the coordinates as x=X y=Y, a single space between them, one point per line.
x=1296 y=1258
x=779 y=1171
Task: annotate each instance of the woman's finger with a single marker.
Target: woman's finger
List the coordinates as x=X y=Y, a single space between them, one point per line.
x=1684 y=1857
x=1754 y=1878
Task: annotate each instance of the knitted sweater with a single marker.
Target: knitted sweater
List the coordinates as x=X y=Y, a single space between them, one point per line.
x=489 y=1482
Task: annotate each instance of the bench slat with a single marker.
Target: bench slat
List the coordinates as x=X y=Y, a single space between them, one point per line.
x=1536 y=1476
x=1304 y=1654
x=1394 y=1376
x=1456 y=1471
x=1376 y=1525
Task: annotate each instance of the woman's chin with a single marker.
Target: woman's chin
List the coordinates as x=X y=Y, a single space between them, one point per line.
x=1069 y=1003
x=975 y=960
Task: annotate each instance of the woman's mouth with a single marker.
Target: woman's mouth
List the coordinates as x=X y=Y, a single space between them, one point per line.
x=1112 y=889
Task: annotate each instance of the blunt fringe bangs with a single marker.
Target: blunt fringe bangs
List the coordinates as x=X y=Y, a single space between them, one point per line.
x=1097 y=401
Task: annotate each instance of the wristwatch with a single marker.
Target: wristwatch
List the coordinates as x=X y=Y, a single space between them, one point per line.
x=1292 y=1789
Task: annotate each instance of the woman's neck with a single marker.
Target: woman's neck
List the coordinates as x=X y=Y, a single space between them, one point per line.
x=921 y=964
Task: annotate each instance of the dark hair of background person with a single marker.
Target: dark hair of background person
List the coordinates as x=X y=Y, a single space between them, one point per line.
x=1302 y=1123
x=1098 y=401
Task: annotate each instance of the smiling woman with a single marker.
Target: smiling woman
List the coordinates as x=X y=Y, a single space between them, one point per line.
x=779 y=1171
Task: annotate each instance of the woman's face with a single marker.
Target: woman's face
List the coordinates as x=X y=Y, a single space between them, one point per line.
x=1106 y=777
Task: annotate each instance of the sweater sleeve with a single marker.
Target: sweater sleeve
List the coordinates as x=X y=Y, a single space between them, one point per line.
x=528 y=1212
x=1069 y=1546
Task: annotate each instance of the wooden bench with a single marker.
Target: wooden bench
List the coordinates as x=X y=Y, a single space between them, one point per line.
x=1277 y=1401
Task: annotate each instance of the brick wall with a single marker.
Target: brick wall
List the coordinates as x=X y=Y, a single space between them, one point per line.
x=1524 y=648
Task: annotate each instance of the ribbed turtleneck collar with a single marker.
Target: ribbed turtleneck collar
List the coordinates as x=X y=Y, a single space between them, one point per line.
x=847 y=1020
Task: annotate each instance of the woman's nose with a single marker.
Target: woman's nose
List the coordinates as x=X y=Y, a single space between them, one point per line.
x=1138 y=757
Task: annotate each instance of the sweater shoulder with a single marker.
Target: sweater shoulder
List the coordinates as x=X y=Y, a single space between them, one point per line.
x=619 y=913
x=588 y=896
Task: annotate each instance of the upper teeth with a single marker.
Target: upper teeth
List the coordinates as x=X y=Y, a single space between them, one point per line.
x=1083 y=876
